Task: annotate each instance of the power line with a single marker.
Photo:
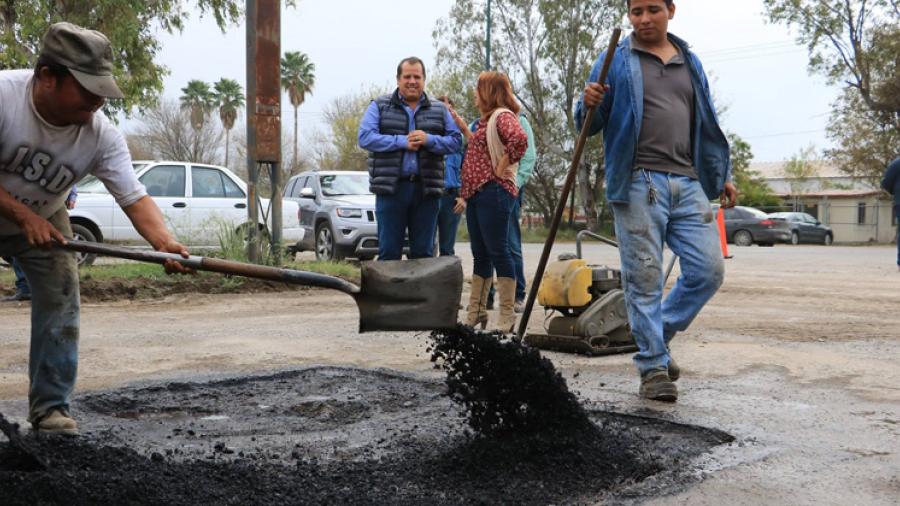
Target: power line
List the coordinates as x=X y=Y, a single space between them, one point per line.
x=751 y=56
x=751 y=47
x=786 y=134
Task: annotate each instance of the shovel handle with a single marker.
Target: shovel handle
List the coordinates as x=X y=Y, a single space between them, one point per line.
x=567 y=187
x=216 y=265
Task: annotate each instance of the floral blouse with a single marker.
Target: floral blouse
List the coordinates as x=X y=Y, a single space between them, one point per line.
x=477 y=168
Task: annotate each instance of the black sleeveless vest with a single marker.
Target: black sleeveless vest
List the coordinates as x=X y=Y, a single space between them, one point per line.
x=385 y=168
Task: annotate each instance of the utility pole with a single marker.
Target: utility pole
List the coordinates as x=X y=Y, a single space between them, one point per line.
x=487 y=39
x=264 y=118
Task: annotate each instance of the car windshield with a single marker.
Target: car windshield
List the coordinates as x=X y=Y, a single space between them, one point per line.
x=344 y=184
x=756 y=212
x=90 y=184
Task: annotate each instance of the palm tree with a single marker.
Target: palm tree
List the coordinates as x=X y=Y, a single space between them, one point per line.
x=297 y=78
x=198 y=98
x=229 y=97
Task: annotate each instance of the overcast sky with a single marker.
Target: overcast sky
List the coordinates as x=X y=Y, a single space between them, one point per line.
x=757 y=69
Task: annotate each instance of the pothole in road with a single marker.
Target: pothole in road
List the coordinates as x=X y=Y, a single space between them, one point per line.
x=332 y=435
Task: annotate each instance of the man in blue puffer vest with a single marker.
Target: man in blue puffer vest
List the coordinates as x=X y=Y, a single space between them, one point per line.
x=407 y=136
x=666 y=157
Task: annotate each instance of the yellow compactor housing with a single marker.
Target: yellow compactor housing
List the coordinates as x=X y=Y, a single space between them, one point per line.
x=566 y=283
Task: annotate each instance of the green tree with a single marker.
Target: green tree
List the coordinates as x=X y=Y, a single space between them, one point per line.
x=131 y=26
x=869 y=140
x=297 y=78
x=338 y=149
x=799 y=170
x=229 y=97
x=546 y=47
x=854 y=43
x=197 y=98
x=754 y=191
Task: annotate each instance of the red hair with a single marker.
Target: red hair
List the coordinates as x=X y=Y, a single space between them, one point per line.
x=494 y=91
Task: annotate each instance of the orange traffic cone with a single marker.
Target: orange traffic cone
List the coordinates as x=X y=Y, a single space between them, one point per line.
x=723 y=239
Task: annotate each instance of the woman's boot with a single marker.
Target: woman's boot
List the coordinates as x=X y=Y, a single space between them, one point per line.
x=476 y=313
x=506 y=289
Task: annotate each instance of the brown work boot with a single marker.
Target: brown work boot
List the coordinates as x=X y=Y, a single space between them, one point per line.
x=506 y=290
x=476 y=313
x=657 y=386
x=56 y=421
x=674 y=370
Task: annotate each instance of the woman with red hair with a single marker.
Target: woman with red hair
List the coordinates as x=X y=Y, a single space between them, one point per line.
x=488 y=192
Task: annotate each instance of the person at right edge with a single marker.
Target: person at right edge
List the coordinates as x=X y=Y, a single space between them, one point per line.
x=666 y=158
x=891 y=184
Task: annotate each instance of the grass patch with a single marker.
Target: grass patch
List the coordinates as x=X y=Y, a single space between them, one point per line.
x=134 y=280
x=345 y=270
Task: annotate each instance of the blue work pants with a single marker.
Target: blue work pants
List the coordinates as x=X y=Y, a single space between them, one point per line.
x=678 y=215
x=55 y=314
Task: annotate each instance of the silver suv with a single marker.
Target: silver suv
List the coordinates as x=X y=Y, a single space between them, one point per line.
x=337 y=213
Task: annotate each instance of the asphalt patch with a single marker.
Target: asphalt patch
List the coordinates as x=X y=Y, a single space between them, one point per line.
x=330 y=435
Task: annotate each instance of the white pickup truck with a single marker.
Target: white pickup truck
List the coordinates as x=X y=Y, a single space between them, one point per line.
x=197 y=201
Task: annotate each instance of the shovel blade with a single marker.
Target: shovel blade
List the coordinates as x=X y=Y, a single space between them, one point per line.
x=421 y=294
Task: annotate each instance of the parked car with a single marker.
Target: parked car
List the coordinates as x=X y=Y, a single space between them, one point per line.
x=805 y=228
x=745 y=226
x=337 y=213
x=197 y=200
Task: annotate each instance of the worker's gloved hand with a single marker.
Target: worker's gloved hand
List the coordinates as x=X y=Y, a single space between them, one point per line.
x=593 y=94
x=39 y=232
x=171 y=266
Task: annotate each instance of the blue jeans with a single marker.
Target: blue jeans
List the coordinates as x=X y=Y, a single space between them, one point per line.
x=55 y=313
x=515 y=249
x=22 y=287
x=447 y=222
x=897 y=214
x=487 y=218
x=408 y=209
x=515 y=244
x=681 y=217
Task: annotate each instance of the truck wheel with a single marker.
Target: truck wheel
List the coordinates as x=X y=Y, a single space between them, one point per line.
x=83 y=233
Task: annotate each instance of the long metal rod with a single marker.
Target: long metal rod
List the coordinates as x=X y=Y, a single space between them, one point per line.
x=252 y=168
x=487 y=38
x=567 y=187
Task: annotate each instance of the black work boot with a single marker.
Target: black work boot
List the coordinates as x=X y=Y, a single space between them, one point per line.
x=656 y=386
x=674 y=370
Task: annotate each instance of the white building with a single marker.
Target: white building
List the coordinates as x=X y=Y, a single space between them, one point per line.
x=855 y=211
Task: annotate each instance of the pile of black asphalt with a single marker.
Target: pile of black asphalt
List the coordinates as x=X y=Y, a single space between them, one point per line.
x=502 y=428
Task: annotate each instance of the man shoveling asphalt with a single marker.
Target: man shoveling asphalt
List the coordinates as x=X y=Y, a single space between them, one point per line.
x=52 y=135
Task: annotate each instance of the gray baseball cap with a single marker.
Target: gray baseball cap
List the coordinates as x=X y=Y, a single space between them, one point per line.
x=86 y=53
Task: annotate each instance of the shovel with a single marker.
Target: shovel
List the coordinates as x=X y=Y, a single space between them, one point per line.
x=421 y=294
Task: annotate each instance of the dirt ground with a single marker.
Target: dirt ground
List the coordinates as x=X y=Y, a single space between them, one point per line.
x=795 y=357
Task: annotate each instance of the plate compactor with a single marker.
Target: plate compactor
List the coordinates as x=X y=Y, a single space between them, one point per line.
x=590 y=303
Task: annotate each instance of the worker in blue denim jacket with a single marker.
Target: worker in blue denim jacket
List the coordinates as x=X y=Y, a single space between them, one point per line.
x=665 y=158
